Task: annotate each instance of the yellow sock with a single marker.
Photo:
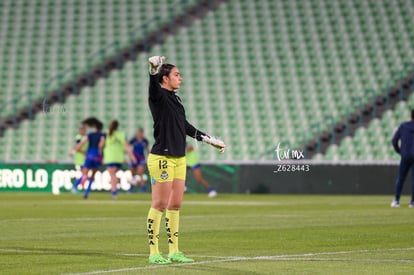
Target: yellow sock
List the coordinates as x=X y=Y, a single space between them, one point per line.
x=172 y=220
x=153 y=229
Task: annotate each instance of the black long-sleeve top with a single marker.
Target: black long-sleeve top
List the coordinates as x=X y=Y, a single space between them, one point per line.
x=170 y=123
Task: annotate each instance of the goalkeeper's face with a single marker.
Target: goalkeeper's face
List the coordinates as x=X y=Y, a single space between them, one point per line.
x=173 y=80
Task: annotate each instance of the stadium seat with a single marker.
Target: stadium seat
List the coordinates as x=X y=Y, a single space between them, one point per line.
x=376 y=138
x=267 y=69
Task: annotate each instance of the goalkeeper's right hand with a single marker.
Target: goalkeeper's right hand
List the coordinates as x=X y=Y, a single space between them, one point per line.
x=155 y=63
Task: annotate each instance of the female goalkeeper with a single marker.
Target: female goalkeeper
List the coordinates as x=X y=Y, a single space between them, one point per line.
x=166 y=161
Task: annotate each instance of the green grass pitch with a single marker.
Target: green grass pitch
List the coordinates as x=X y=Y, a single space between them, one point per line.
x=230 y=234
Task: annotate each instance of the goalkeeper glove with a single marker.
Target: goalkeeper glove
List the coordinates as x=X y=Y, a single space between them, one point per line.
x=215 y=142
x=155 y=63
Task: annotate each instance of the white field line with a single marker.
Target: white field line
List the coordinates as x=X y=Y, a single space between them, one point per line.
x=347 y=260
x=22 y=251
x=287 y=257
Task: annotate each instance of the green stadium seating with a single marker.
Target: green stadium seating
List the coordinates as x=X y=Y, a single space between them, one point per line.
x=42 y=38
x=255 y=72
x=374 y=141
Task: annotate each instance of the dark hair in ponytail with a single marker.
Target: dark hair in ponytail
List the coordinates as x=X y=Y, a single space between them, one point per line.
x=93 y=122
x=165 y=70
x=113 y=126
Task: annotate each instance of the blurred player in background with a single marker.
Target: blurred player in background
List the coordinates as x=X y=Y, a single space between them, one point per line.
x=115 y=147
x=166 y=161
x=79 y=156
x=140 y=147
x=405 y=134
x=193 y=161
x=93 y=157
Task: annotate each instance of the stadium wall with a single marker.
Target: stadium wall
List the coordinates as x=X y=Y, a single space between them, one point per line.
x=320 y=179
x=279 y=178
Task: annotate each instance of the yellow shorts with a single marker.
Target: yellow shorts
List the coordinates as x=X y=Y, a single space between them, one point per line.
x=166 y=168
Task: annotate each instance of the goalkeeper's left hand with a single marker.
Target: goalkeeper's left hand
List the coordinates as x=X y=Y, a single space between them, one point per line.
x=155 y=63
x=215 y=142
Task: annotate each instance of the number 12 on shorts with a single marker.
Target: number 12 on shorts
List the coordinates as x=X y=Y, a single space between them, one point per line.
x=162 y=164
